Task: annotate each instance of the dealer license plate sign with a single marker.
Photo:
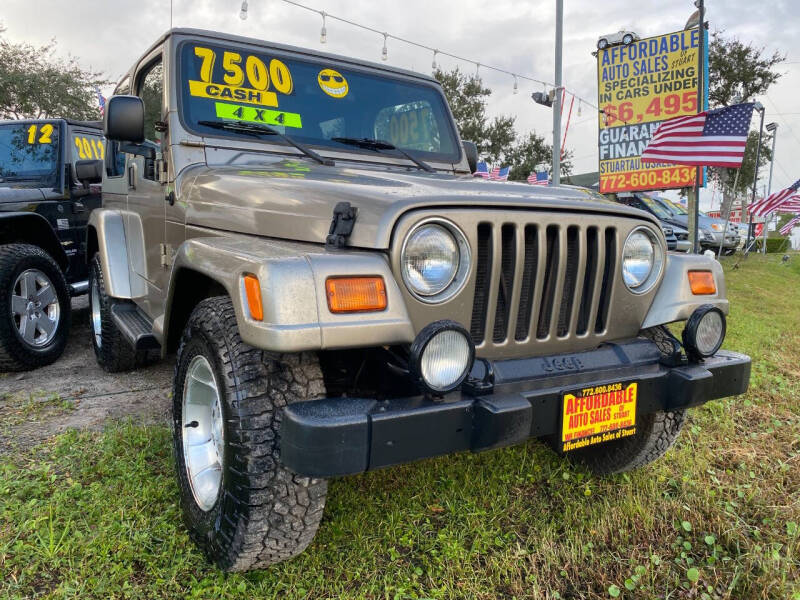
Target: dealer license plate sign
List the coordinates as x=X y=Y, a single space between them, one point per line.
x=596 y=414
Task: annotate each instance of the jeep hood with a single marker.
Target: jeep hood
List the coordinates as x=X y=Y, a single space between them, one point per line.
x=19 y=195
x=294 y=199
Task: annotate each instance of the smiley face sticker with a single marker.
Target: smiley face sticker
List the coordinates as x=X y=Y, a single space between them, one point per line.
x=333 y=83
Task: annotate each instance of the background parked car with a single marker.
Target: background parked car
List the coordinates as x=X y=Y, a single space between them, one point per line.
x=645 y=203
x=682 y=236
x=44 y=209
x=711 y=229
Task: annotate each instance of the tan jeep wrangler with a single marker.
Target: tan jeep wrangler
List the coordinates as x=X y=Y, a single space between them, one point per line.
x=304 y=232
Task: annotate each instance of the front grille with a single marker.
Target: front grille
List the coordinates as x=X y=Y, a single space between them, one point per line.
x=542 y=281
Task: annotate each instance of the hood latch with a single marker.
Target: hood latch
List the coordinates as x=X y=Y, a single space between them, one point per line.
x=344 y=218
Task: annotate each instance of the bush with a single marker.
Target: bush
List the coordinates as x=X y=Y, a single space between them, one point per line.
x=775 y=244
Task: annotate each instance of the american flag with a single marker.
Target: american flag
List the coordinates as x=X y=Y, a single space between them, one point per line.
x=714 y=138
x=482 y=170
x=775 y=200
x=101 y=102
x=790 y=206
x=538 y=178
x=499 y=173
x=787 y=229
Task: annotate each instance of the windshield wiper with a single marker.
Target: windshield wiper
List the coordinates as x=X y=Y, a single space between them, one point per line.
x=256 y=129
x=19 y=178
x=378 y=145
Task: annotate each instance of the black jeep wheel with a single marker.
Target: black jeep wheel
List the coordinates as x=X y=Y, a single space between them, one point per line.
x=113 y=352
x=34 y=308
x=241 y=506
x=655 y=432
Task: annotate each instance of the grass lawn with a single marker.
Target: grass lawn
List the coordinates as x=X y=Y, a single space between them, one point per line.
x=96 y=515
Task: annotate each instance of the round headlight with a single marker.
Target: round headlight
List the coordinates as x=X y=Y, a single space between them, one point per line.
x=434 y=261
x=442 y=356
x=704 y=332
x=642 y=260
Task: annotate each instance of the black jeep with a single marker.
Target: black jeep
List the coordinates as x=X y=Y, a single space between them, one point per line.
x=47 y=168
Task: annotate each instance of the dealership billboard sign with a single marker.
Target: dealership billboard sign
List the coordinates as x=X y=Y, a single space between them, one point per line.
x=640 y=85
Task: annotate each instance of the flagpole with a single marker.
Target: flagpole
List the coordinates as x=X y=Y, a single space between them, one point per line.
x=557 y=95
x=694 y=217
x=728 y=212
x=760 y=108
x=772 y=128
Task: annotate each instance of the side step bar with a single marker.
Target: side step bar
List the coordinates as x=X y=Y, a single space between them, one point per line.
x=78 y=288
x=135 y=326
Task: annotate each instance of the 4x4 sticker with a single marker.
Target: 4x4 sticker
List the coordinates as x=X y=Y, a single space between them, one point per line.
x=333 y=83
x=257 y=115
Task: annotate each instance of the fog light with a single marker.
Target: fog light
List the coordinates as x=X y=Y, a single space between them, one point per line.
x=442 y=356
x=704 y=332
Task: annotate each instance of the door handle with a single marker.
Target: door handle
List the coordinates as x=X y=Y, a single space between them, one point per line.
x=132 y=177
x=78 y=207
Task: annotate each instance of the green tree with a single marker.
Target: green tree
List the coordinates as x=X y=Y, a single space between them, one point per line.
x=497 y=140
x=529 y=152
x=467 y=96
x=34 y=83
x=740 y=72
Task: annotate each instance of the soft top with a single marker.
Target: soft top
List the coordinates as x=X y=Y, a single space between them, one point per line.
x=75 y=122
x=222 y=37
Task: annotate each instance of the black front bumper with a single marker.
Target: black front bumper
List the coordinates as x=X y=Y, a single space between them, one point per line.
x=341 y=436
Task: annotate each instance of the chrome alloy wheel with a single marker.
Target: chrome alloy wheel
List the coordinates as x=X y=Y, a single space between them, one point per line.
x=97 y=325
x=203 y=436
x=34 y=308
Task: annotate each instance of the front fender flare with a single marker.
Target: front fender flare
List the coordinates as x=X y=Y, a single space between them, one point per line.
x=292 y=278
x=35 y=229
x=108 y=226
x=674 y=300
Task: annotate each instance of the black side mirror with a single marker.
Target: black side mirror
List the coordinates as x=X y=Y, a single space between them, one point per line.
x=124 y=119
x=89 y=171
x=471 y=150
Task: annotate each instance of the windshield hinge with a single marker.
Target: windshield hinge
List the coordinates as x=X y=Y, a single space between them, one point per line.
x=161 y=170
x=344 y=217
x=193 y=143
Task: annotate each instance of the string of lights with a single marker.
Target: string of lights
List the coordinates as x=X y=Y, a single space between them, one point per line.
x=517 y=77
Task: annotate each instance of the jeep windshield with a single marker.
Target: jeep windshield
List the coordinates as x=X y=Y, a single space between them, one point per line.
x=29 y=154
x=657 y=208
x=314 y=101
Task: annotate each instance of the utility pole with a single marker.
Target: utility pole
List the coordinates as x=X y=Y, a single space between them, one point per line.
x=558 y=93
x=772 y=128
x=694 y=199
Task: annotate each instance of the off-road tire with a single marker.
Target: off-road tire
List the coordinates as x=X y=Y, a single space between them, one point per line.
x=264 y=513
x=114 y=354
x=655 y=432
x=15 y=353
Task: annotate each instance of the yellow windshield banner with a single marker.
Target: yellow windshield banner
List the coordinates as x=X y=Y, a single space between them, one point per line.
x=598 y=414
x=217 y=91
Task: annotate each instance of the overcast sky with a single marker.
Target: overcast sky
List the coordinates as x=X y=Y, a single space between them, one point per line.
x=517 y=36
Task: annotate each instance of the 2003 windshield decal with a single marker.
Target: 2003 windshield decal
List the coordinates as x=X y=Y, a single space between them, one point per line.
x=261 y=78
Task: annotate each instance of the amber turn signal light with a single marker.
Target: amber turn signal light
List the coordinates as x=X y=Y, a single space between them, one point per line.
x=253 y=291
x=355 y=294
x=702 y=283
